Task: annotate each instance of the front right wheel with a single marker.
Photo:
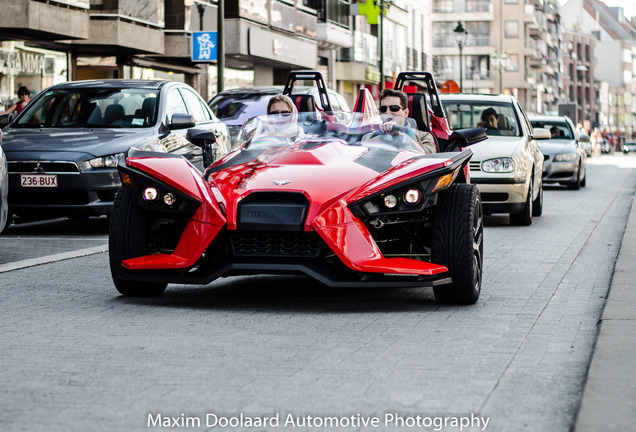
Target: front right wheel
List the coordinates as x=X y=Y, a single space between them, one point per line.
x=128 y=238
x=457 y=243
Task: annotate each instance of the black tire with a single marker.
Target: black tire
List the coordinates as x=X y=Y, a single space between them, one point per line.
x=128 y=239
x=457 y=243
x=525 y=217
x=537 y=205
x=8 y=221
x=576 y=185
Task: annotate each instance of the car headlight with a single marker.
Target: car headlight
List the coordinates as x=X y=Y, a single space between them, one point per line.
x=565 y=157
x=498 y=165
x=109 y=161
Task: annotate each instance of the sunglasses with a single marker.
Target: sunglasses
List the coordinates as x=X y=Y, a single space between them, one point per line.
x=393 y=108
x=283 y=113
x=23 y=94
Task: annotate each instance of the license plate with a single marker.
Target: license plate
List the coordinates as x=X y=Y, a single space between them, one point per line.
x=38 y=180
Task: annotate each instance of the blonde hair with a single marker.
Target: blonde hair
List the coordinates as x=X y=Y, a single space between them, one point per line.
x=281 y=98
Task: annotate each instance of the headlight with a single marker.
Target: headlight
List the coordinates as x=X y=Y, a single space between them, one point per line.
x=390 y=201
x=109 y=161
x=499 y=165
x=412 y=196
x=150 y=193
x=565 y=157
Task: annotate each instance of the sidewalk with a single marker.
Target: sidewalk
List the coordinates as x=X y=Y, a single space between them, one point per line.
x=609 y=396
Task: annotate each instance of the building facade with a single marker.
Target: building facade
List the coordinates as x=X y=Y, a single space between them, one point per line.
x=614 y=63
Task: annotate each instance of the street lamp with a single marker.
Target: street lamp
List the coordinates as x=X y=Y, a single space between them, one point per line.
x=460 y=36
x=500 y=63
x=383 y=4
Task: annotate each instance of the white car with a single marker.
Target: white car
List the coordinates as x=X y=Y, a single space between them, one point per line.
x=507 y=168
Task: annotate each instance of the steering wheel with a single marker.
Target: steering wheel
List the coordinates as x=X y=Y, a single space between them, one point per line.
x=403 y=129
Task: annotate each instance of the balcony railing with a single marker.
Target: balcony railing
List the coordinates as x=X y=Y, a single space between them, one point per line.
x=448 y=6
x=450 y=41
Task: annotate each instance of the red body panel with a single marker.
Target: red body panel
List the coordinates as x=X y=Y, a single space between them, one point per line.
x=326 y=174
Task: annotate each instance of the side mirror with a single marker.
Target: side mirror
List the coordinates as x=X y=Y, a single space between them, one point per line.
x=465 y=137
x=541 y=133
x=5 y=119
x=206 y=140
x=181 y=121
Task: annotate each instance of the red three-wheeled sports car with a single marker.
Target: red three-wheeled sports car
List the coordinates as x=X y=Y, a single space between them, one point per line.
x=321 y=193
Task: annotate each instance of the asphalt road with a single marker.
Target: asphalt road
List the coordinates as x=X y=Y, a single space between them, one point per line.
x=274 y=353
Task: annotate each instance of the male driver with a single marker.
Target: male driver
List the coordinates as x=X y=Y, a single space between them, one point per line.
x=394 y=108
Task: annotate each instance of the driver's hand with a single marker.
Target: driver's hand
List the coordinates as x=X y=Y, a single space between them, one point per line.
x=388 y=126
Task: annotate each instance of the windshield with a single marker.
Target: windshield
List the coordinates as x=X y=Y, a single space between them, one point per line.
x=236 y=108
x=92 y=107
x=498 y=119
x=558 y=130
x=274 y=131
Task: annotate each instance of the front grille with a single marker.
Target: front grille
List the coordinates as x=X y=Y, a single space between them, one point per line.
x=48 y=197
x=47 y=167
x=106 y=195
x=275 y=244
x=475 y=166
x=491 y=197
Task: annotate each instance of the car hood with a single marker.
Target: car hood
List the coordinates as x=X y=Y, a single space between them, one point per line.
x=70 y=144
x=553 y=147
x=497 y=146
x=320 y=172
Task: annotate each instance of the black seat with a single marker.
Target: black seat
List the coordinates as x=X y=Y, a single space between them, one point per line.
x=147 y=109
x=113 y=113
x=418 y=111
x=304 y=102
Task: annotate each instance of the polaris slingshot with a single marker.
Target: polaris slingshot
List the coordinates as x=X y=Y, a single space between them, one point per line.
x=330 y=196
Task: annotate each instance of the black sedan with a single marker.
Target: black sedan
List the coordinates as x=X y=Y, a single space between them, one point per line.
x=4 y=189
x=62 y=150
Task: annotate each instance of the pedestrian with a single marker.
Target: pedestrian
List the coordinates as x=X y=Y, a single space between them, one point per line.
x=596 y=139
x=25 y=97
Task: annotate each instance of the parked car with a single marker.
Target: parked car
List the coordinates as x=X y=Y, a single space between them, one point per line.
x=63 y=149
x=4 y=189
x=235 y=106
x=629 y=147
x=586 y=144
x=607 y=146
x=508 y=167
x=565 y=159
x=338 y=200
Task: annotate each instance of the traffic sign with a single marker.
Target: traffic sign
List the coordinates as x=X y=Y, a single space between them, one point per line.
x=204 y=46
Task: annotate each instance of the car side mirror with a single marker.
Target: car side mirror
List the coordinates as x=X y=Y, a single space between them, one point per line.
x=541 y=133
x=465 y=137
x=206 y=140
x=181 y=121
x=5 y=119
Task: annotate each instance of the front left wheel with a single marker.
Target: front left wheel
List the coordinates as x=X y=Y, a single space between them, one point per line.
x=128 y=239
x=457 y=243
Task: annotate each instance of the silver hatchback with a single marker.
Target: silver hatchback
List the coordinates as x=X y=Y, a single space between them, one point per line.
x=507 y=168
